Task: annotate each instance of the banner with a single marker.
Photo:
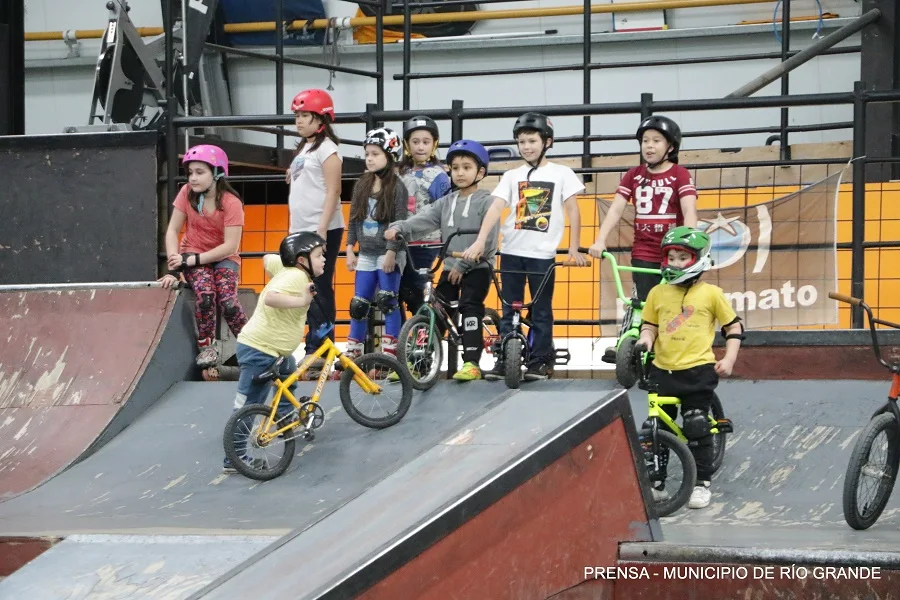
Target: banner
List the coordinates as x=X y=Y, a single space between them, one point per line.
x=775 y=261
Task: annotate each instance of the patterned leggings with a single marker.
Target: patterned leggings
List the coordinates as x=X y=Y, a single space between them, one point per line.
x=215 y=286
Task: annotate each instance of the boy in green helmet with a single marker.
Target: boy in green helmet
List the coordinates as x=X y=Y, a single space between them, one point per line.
x=679 y=321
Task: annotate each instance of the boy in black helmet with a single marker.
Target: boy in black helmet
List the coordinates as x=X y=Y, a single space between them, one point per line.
x=279 y=321
x=540 y=195
x=663 y=195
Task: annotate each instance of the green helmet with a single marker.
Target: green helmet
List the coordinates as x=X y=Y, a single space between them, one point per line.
x=693 y=241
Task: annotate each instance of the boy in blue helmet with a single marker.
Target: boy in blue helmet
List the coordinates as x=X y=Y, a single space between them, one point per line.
x=463 y=208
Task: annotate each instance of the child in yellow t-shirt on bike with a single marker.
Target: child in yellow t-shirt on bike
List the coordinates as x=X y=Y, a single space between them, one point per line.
x=679 y=321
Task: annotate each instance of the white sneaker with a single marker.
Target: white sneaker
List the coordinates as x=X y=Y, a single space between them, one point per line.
x=659 y=495
x=701 y=496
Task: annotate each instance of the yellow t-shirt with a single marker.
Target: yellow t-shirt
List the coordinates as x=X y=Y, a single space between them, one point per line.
x=277 y=331
x=686 y=318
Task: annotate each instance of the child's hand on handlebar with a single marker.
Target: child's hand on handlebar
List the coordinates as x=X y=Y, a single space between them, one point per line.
x=597 y=249
x=577 y=257
x=390 y=234
x=455 y=276
x=474 y=252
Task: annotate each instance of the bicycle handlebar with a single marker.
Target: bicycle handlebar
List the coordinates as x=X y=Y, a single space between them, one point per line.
x=894 y=368
x=615 y=270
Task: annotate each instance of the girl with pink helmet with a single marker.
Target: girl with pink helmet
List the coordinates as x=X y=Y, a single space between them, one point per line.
x=212 y=215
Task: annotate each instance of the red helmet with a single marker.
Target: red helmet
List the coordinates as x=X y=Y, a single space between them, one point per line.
x=314 y=101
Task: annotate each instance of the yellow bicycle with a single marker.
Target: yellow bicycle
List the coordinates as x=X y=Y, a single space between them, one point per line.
x=254 y=431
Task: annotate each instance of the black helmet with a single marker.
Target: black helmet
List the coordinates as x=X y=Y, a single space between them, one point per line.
x=298 y=244
x=666 y=126
x=537 y=121
x=420 y=122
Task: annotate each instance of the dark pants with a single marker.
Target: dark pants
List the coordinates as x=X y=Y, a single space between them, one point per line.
x=324 y=292
x=696 y=387
x=513 y=289
x=470 y=292
x=412 y=285
x=644 y=282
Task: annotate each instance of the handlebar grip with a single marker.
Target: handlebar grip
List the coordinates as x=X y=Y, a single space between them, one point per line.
x=842 y=298
x=456 y=255
x=468 y=231
x=572 y=263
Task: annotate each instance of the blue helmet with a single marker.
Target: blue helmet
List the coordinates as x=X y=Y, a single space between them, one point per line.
x=472 y=148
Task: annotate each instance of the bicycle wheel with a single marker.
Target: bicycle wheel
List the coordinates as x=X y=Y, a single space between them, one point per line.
x=513 y=363
x=865 y=475
x=420 y=352
x=242 y=445
x=626 y=373
x=666 y=441
x=719 y=439
x=393 y=399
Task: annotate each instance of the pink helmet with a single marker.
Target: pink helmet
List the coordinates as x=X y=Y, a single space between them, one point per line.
x=211 y=155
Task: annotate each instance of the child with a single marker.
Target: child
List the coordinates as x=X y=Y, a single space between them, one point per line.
x=469 y=282
x=208 y=253
x=679 y=324
x=540 y=194
x=426 y=181
x=277 y=325
x=379 y=198
x=664 y=196
x=315 y=195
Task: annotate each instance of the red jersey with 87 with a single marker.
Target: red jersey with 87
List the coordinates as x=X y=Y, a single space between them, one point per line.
x=657 y=202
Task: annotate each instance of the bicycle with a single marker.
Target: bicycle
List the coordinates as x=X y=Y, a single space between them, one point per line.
x=626 y=371
x=514 y=348
x=862 y=514
x=656 y=442
x=307 y=414
x=420 y=347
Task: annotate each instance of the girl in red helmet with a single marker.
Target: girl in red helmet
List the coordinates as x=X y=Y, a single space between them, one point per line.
x=315 y=196
x=207 y=255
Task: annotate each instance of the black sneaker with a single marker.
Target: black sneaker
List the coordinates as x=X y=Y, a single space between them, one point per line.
x=538 y=372
x=609 y=355
x=496 y=373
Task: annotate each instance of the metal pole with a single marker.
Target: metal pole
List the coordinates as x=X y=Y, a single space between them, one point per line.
x=184 y=71
x=379 y=54
x=646 y=105
x=586 y=148
x=279 y=71
x=407 y=52
x=456 y=129
x=785 y=150
x=858 y=265
x=803 y=56
x=370 y=120
x=171 y=103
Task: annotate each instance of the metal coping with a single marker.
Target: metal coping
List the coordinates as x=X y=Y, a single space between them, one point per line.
x=80 y=141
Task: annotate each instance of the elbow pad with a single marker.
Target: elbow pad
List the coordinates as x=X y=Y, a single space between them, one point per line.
x=734 y=336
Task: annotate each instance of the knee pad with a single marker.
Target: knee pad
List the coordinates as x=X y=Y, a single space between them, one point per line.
x=695 y=424
x=206 y=301
x=359 y=308
x=386 y=301
x=230 y=308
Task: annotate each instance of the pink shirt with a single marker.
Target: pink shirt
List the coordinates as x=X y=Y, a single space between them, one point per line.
x=205 y=232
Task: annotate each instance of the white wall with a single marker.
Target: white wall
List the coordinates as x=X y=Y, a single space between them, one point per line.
x=58 y=89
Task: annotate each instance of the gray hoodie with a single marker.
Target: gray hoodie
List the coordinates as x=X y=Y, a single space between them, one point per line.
x=452 y=213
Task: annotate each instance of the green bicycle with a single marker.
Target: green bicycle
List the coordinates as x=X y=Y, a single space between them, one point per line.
x=657 y=442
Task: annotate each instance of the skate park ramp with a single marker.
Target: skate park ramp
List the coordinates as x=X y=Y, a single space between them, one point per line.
x=79 y=364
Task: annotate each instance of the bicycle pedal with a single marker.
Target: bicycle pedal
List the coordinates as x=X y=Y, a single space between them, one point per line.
x=308 y=435
x=724 y=425
x=562 y=357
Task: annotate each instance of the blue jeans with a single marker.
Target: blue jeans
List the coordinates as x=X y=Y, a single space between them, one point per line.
x=513 y=288
x=252 y=363
x=366 y=281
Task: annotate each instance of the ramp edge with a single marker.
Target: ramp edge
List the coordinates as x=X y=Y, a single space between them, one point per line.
x=667 y=552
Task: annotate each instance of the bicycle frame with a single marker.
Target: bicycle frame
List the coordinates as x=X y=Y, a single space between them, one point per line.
x=331 y=353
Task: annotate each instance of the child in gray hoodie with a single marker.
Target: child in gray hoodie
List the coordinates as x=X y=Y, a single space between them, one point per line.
x=462 y=209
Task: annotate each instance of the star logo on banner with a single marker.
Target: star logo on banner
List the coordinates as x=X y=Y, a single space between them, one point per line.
x=722 y=223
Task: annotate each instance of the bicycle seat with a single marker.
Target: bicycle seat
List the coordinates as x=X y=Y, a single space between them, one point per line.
x=270 y=373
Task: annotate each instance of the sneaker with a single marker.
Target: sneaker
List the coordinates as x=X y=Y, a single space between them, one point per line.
x=609 y=355
x=469 y=372
x=495 y=374
x=208 y=356
x=701 y=495
x=659 y=495
x=538 y=372
x=227 y=467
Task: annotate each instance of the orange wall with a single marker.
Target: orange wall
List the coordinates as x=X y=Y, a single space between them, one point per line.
x=577 y=293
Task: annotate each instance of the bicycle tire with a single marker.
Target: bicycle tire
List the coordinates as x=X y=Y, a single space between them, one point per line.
x=856 y=518
x=665 y=508
x=513 y=363
x=427 y=382
x=365 y=363
x=237 y=462
x=719 y=440
x=626 y=373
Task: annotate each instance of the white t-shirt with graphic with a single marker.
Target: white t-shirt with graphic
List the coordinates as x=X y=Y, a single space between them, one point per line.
x=536 y=224
x=307 y=198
